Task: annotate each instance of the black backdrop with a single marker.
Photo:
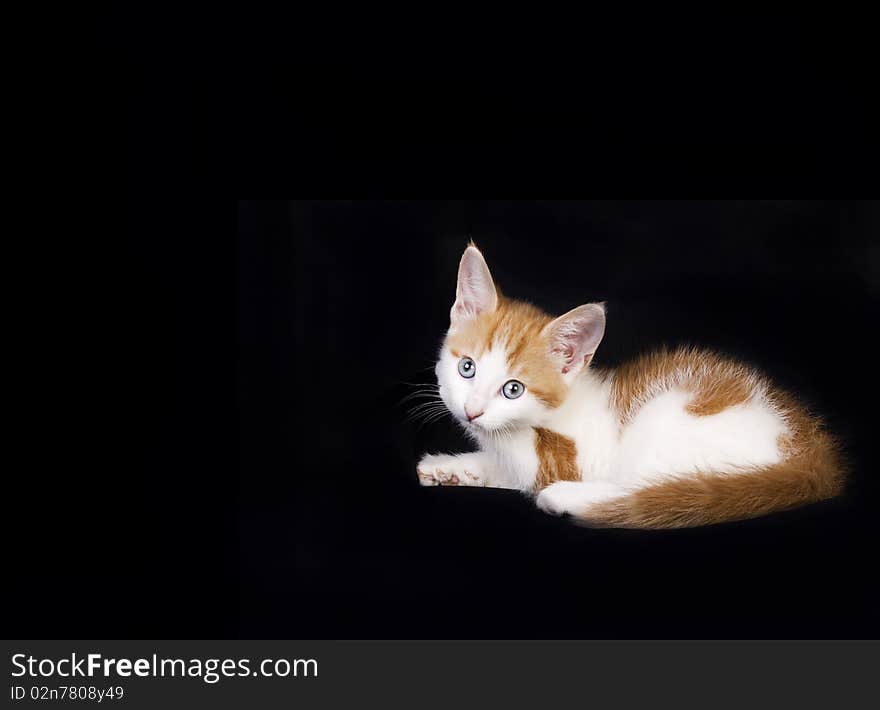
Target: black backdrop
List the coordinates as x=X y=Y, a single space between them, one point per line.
x=229 y=456
x=341 y=303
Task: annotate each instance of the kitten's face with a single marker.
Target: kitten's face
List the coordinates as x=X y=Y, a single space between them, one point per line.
x=506 y=365
x=487 y=391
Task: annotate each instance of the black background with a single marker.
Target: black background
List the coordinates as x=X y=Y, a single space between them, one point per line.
x=218 y=448
x=343 y=302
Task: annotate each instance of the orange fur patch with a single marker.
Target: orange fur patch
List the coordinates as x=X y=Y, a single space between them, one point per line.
x=715 y=381
x=517 y=327
x=557 y=457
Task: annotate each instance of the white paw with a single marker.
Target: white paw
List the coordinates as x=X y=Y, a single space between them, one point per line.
x=444 y=470
x=575 y=497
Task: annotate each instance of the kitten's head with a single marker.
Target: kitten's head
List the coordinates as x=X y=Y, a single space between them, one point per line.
x=505 y=364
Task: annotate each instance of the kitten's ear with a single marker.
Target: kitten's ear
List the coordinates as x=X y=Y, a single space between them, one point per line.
x=574 y=337
x=475 y=292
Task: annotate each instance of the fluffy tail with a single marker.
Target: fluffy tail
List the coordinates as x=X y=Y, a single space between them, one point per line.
x=812 y=470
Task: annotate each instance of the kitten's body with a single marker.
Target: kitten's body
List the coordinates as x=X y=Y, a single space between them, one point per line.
x=673 y=439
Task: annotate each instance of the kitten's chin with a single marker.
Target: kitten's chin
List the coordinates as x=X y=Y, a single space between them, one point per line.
x=476 y=427
x=472 y=427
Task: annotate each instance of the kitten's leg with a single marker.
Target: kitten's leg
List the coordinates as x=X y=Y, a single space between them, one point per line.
x=462 y=470
x=576 y=497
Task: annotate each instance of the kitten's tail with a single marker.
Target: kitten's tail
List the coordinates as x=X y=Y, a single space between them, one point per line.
x=812 y=471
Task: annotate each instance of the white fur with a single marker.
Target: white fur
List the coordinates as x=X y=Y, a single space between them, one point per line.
x=664 y=439
x=586 y=418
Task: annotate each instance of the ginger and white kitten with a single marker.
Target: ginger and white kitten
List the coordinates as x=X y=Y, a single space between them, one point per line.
x=673 y=439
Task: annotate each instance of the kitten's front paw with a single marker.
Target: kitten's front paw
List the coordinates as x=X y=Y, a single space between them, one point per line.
x=442 y=470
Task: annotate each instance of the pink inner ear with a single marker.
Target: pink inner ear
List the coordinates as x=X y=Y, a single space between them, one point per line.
x=475 y=291
x=566 y=353
x=576 y=335
x=569 y=356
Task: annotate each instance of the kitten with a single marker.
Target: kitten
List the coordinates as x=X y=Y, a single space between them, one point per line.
x=674 y=439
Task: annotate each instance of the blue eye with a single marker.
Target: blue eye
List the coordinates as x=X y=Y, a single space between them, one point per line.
x=467 y=367
x=513 y=389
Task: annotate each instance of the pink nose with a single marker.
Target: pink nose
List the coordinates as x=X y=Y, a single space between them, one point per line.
x=470 y=416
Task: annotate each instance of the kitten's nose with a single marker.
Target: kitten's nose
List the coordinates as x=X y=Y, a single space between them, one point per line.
x=470 y=416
